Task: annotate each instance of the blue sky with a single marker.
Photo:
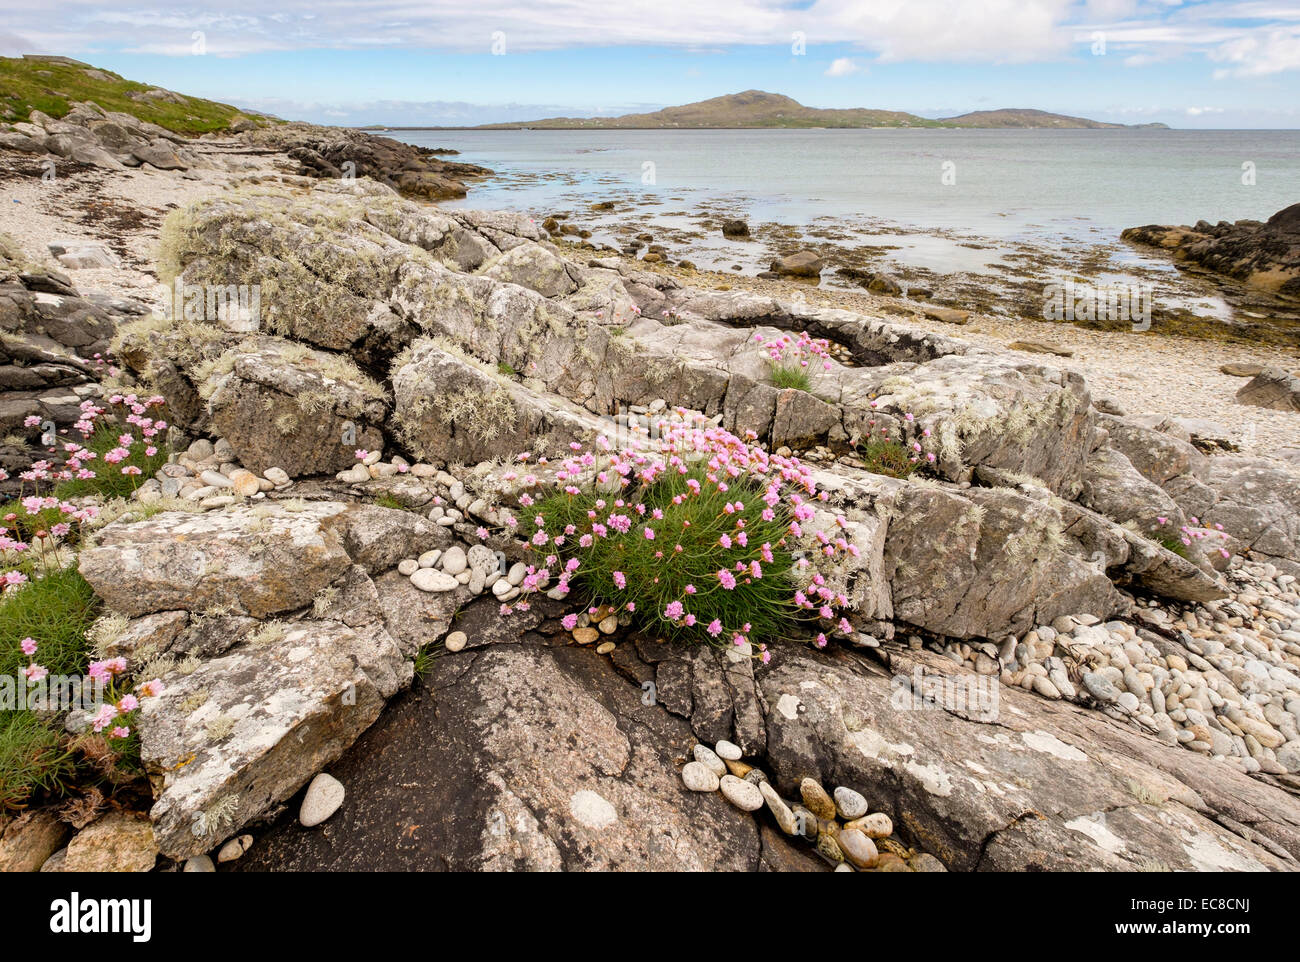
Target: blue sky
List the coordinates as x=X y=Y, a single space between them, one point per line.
x=1213 y=63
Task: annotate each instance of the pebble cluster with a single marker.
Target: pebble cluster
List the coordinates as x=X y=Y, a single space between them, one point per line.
x=839 y=824
x=1231 y=690
x=208 y=474
x=593 y=624
x=475 y=567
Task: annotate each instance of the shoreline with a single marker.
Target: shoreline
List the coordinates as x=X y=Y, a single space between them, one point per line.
x=1142 y=373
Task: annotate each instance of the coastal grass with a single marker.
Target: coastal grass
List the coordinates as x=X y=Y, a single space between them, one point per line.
x=34 y=757
x=52 y=88
x=56 y=610
x=786 y=376
x=386 y=500
x=628 y=570
x=1170 y=543
x=887 y=457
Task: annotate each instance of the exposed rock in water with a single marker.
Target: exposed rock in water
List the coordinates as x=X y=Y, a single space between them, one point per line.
x=1265 y=256
x=332 y=152
x=800 y=264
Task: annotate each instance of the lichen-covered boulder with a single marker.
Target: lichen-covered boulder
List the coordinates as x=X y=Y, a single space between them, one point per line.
x=244 y=731
x=283 y=405
x=197 y=562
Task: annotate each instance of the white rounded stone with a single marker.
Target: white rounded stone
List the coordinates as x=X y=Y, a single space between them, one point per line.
x=427 y=579
x=744 y=795
x=727 y=750
x=324 y=797
x=454 y=560
x=698 y=777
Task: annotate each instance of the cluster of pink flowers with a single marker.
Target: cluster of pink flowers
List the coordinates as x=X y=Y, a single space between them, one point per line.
x=44 y=519
x=121 y=712
x=726 y=462
x=878 y=429
x=118 y=712
x=1194 y=531
x=76 y=457
x=787 y=351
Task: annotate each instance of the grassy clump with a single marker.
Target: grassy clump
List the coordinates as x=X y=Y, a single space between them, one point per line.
x=34 y=757
x=1170 y=543
x=52 y=88
x=785 y=376
x=891 y=458
x=56 y=609
x=696 y=541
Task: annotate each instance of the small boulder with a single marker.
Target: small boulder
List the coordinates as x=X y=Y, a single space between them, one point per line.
x=801 y=264
x=1272 y=388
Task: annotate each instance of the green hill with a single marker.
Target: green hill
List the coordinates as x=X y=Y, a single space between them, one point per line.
x=53 y=84
x=757 y=108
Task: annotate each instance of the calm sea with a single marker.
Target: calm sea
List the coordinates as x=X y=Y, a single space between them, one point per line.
x=925 y=195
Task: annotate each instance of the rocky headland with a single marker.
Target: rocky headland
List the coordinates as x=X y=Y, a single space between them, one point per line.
x=1065 y=636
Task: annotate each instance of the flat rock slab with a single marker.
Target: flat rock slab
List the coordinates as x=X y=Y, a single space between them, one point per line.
x=1043 y=785
x=244 y=732
x=178 y=560
x=523 y=757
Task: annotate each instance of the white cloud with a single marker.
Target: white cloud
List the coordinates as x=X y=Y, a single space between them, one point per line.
x=1259 y=54
x=842 y=67
x=1244 y=37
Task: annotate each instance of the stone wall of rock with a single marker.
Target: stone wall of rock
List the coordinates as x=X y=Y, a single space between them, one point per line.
x=52 y=345
x=1265 y=255
x=89 y=134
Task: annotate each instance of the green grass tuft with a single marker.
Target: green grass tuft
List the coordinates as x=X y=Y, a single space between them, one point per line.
x=33 y=757
x=787 y=376
x=891 y=458
x=657 y=574
x=56 y=611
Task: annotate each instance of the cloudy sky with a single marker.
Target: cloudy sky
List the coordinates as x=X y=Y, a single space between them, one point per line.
x=1188 y=63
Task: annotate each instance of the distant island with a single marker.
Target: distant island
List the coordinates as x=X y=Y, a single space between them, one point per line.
x=760 y=109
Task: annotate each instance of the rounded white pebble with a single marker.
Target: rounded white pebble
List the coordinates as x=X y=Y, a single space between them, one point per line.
x=727 y=750
x=427 y=579
x=324 y=797
x=698 y=778
x=235 y=848
x=709 y=759
x=744 y=795
x=850 y=803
